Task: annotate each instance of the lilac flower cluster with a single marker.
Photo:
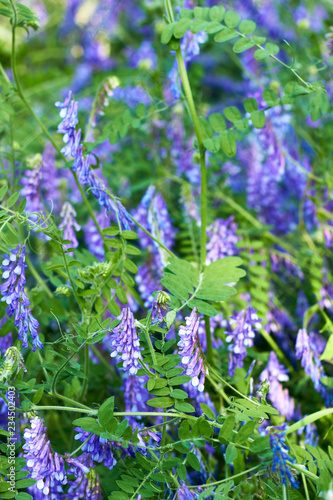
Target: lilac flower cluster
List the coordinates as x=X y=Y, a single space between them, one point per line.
x=31 y=182
x=126 y=343
x=152 y=214
x=135 y=395
x=190 y=350
x=222 y=239
x=280 y=454
x=86 y=483
x=69 y=225
x=246 y=324
x=308 y=350
x=44 y=465
x=275 y=373
x=97 y=447
x=183 y=493
x=13 y=294
x=82 y=163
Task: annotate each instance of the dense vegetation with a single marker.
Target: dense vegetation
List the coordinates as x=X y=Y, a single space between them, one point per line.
x=166 y=232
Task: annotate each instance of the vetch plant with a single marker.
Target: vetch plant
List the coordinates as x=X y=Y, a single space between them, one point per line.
x=165 y=231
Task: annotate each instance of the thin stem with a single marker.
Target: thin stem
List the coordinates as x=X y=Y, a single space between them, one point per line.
x=209 y=340
x=231 y=387
x=65 y=408
x=208 y=485
x=151 y=347
x=81 y=445
x=152 y=237
x=86 y=372
x=306 y=491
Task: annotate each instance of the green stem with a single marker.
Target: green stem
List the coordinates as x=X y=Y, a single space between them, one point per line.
x=86 y=372
x=306 y=491
x=151 y=347
x=208 y=485
x=65 y=408
x=203 y=170
x=209 y=341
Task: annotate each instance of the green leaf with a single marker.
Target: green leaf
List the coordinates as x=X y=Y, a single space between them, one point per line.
x=163 y=402
x=193 y=461
x=140 y=110
x=245 y=432
x=328 y=352
x=228 y=143
x=260 y=54
x=186 y=13
x=184 y=430
x=206 y=129
x=184 y=407
x=198 y=25
x=178 y=394
x=270 y=97
x=272 y=48
x=204 y=428
x=231 y=453
x=259 y=444
x=183 y=379
x=114 y=308
x=167 y=33
x=258 y=119
x=170 y=318
x=12 y=199
x=259 y=40
x=227 y=428
x=38 y=395
x=121 y=428
x=207 y=411
x=242 y=45
x=105 y=412
x=129 y=235
x=225 y=35
x=175 y=288
x=212 y=145
x=3 y=191
x=110 y=231
x=232 y=113
x=181 y=27
x=217 y=122
x=231 y=19
x=216 y=13
x=247 y=27
x=88 y=424
x=203 y=307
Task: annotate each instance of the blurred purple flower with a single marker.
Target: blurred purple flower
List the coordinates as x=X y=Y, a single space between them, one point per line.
x=222 y=239
x=241 y=336
x=190 y=351
x=13 y=294
x=69 y=225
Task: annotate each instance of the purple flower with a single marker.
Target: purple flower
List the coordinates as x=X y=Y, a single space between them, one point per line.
x=69 y=225
x=144 y=57
x=241 y=337
x=148 y=279
x=135 y=395
x=82 y=163
x=280 y=454
x=329 y=41
x=275 y=373
x=7 y=340
x=132 y=96
x=68 y=113
x=31 y=190
x=86 y=483
x=191 y=352
x=126 y=343
x=13 y=294
x=97 y=447
x=222 y=239
x=44 y=465
x=183 y=493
